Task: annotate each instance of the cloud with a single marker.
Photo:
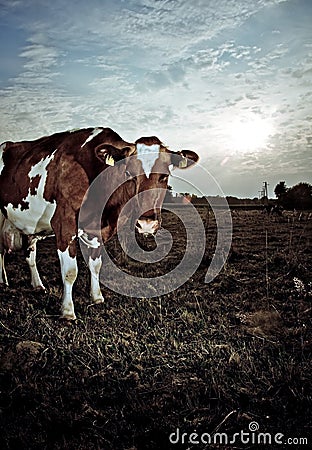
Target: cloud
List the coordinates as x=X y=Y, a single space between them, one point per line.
x=183 y=70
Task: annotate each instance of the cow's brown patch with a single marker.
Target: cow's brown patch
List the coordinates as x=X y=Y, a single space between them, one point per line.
x=34 y=183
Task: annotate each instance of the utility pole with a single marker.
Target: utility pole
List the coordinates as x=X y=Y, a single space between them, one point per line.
x=264 y=195
x=265 y=189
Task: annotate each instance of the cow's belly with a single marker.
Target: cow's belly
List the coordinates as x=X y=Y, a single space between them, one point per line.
x=33 y=220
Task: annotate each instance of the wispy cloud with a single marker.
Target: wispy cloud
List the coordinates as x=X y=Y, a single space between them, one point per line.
x=183 y=70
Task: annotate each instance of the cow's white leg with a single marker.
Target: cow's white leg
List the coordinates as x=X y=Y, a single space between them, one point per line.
x=69 y=272
x=31 y=260
x=2 y=268
x=95 y=265
x=3 y=271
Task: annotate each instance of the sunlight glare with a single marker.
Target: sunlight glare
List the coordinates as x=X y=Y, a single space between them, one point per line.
x=250 y=134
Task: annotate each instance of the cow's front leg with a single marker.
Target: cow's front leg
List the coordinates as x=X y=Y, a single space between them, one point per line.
x=31 y=261
x=66 y=233
x=69 y=272
x=95 y=264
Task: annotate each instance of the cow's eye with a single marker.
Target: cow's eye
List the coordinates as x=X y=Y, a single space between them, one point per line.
x=163 y=178
x=129 y=176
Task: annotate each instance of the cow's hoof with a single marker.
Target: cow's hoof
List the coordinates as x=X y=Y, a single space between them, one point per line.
x=39 y=289
x=97 y=301
x=96 y=297
x=67 y=318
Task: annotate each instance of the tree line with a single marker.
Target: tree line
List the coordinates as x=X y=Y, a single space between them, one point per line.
x=295 y=197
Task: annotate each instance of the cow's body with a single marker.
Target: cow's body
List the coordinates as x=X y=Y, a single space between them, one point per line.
x=43 y=184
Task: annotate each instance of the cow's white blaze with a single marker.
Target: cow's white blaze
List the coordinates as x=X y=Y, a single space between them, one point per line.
x=36 y=218
x=95 y=268
x=147 y=154
x=69 y=272
x=94 y=133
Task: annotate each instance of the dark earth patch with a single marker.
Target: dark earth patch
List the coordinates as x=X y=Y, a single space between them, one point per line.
x=210 y=358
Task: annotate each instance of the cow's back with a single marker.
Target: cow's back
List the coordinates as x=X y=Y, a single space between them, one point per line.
x=53 y=171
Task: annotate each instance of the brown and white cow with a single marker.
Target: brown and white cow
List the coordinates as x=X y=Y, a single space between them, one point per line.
x=43 y=185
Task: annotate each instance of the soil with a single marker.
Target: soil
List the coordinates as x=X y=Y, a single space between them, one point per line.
x=173 y=371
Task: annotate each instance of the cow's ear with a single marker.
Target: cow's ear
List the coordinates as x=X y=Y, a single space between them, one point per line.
x=184 y=159
x=110 y=155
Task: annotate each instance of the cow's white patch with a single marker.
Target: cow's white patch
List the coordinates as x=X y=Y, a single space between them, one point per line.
x=2 y=147
x=69 y=272
x=36 y=218
x=91 y=243
x=94 y=133
x=147 y=154
x=95 y=268
x=147 y=226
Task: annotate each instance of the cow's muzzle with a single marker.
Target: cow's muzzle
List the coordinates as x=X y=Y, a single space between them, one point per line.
x=148 y=225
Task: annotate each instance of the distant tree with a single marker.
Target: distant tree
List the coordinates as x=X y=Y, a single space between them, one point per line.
x=298 y=197
x=280 y=189
x=168 y=196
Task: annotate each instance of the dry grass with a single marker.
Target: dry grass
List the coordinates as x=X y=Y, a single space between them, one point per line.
x=127 y=374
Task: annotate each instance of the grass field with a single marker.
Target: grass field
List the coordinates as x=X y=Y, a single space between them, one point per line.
x=206 y=358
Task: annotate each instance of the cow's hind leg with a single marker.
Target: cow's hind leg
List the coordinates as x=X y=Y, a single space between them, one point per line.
x=31 y=261
x=3 y=277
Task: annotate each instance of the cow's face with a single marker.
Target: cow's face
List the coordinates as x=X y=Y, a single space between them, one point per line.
x=153 y=163
x=145 y=168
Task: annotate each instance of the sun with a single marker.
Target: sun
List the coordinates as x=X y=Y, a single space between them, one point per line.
x=249 y=134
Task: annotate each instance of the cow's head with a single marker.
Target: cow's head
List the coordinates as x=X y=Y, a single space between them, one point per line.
x=152 y=167
x=145 y=168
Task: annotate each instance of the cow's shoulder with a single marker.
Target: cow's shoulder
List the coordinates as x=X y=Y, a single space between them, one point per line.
x=88 y=138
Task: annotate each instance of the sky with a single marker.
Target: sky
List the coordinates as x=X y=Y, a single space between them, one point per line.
x=229 y=79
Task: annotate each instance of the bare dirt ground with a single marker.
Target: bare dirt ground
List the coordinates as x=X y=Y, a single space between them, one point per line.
x=206 y=358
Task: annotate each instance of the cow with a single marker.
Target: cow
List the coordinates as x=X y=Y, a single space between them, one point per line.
x=277 y=210
x=44 y=182
x=273 y=210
